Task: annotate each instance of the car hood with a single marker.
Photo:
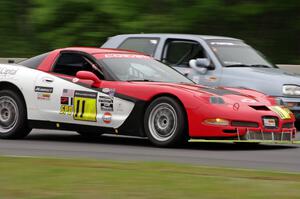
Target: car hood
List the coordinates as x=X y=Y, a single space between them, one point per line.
x=230 y=95
x=266 y=80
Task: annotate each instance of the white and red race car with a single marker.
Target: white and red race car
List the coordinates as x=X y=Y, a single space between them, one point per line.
x=95 y=91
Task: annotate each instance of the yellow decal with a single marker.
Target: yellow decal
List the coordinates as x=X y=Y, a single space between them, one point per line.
x=85 y=106
x=283 y=113
x=66 y=110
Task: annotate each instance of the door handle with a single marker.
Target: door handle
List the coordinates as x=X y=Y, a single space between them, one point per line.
x=48 y=80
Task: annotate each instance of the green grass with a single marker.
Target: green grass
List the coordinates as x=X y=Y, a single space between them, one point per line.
x=65 y=178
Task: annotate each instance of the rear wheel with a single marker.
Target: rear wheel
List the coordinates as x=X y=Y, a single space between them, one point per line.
x=165 y=122
x=13 y=116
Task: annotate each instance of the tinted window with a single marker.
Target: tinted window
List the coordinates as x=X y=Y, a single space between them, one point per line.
x=144 y=45
x=179 y=52
x=140 y=69
x=71 y=63
x=34 y=62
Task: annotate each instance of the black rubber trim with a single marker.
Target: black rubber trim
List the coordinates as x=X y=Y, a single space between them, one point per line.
x=68 y=126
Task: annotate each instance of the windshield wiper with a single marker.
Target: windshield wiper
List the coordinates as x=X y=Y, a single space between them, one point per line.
x=251 y=65
x=260 y=66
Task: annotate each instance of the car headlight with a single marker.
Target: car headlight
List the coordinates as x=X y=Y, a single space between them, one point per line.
x=291 y=90
x=217 y=121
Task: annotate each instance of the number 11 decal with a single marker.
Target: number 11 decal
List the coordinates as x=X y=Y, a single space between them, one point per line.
x=85 y=106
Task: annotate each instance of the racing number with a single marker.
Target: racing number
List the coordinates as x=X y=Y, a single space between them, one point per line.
x=85 y=106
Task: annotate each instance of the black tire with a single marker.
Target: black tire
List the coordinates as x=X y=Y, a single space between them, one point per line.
x=165 y=122
x=13 y=116
x=89 y=134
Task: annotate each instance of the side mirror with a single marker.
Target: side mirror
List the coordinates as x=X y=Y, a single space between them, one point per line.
x=200 y=65
x=87 y=75
x=203 y=62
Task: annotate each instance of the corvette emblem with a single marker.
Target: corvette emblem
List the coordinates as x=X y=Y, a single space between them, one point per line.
x=236 y=106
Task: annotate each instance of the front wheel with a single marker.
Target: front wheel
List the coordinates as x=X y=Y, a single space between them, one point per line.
x=165 y=122
x=13 y=116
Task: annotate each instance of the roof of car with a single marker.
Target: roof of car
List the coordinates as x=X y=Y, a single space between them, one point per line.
x=94 y=50
x=185 y=36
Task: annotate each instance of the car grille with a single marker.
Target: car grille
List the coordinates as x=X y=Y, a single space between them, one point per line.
x=283 y=136
x=288 y=125
x=244 y=124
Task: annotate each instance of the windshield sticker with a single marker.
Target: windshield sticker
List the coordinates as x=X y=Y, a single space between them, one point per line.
x=103 y=56
x=153 y=41
x=222 y=43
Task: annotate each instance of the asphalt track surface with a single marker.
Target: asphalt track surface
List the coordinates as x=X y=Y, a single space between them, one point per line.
x=62 y=144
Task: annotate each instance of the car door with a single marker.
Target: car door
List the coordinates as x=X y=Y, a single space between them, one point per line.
x=78 y=101
x=178 y=52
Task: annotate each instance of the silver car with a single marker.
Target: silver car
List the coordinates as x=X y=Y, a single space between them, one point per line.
x=217 y=61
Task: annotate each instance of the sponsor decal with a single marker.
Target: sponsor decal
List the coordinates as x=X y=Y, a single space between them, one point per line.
x=7 y=72
x=66 y=110
x=85 y=106
x=109 y=91
x=74 y=80
x=82 y=105
x=43 y=93
x=68 y=93
x=107 y=117
x=66 y=101
x=283 y=113
x=41 y=89
x=106 y=103
x=125 y=56
x=43 y=96
x=269 y=122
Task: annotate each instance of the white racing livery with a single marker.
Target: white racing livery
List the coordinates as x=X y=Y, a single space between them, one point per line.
x=30 y=97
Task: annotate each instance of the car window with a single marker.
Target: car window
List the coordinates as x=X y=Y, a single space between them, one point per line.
x=144 y=45
x=34 y=62
x=71 y=63
x=180 y=52
x=142 y=69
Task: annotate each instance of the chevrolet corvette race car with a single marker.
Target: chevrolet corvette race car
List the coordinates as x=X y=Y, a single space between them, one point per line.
x=95 y=91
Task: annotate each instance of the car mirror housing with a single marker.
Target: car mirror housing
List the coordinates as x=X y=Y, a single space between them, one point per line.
x=87 y=75
x=200 y=65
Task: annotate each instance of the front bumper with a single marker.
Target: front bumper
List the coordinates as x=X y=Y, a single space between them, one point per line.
x=257 y=135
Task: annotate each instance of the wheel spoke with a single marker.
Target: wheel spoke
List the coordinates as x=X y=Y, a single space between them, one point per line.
x=8 y=114
x=162 y=121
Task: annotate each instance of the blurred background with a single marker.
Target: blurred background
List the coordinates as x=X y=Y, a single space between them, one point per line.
x=30 y=27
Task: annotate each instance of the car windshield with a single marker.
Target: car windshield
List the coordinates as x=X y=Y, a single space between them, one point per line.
x=233 y=53
x=142 y=69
